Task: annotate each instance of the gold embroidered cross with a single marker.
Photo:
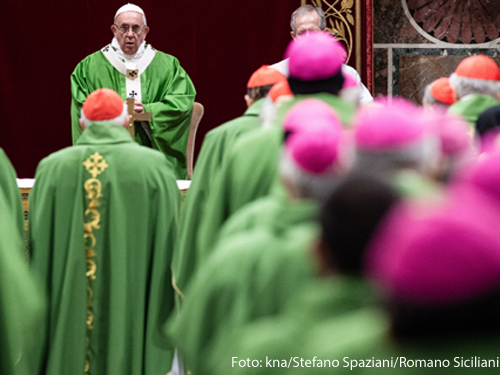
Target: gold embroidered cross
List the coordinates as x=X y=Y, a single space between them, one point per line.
x=95 y=164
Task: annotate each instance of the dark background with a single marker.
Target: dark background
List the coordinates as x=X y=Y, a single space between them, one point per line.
x=219 y=43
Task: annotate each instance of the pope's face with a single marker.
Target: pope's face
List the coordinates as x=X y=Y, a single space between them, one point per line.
x=135 y=33
x=305 y=23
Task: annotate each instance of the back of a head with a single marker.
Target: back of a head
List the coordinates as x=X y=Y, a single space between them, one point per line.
x=392 y=136
x=313 y=154
x=350 y=217
x=438 y=92
x=476 y=75
x=440 y=267
x=488 y=120
x=104 y=105
x=262 y=80
x=315 y=64
x=351 y=91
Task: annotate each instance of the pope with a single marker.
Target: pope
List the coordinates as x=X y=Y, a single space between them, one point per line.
x=154 y=79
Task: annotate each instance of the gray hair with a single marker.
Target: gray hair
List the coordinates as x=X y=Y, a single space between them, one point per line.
x=420 y=156
x=317 y=187
x=464 y=86
x=307 y=9
x=428 y=99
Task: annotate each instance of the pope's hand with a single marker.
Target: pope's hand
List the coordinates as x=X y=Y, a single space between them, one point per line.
x=138 y=107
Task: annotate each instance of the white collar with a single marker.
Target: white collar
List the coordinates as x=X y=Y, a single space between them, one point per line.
x=123 y=56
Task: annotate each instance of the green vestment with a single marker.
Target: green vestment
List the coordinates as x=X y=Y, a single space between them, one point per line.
x=103 y=221
x=329 y=320
x=471 y=106
x=250 y=276
x=8 y=188
x=167 y=92
x=251 y=171
x=276 y=212
x=22 y=305
x=212 y=156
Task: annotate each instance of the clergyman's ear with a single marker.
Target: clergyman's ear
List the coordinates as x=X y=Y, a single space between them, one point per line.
x=292 y=34
x=248 y=100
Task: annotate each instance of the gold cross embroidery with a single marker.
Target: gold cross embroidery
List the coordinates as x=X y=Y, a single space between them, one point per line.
x=95 y=164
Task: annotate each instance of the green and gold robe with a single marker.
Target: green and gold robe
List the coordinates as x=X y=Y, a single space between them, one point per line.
x=103 y=221
x=167 y=92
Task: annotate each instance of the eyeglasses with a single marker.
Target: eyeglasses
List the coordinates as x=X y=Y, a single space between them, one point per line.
x=136 y=29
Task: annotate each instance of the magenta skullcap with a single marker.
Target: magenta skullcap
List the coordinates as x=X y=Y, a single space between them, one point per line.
x=309 y=114
x=314 y=151
x=438 y=255
x=484 y=175
x=314 y=139
x=389 y=125
x=314 y=56
x=349 y=82
x=453 y=134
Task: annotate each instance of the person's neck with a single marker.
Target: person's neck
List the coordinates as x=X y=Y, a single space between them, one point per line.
x=124 y=56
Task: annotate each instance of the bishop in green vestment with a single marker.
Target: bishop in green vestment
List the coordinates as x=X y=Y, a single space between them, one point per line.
x=250 y=276
x=213 y=156
x=103 y=221
x=8 y=188
x=333 y=316
x=136 y=70
x=22 y=303
x=251 y=171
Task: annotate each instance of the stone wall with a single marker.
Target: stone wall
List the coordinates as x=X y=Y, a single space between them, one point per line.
x=418 y=41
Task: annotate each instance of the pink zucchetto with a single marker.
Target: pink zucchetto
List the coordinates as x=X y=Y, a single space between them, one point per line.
x=310 y=114
x=453 y=134
x=315 y=56
x=314 y=151
x=349 y=82
x=440 y=255
x=314 y=136
x=485 y=175
x=389 y=126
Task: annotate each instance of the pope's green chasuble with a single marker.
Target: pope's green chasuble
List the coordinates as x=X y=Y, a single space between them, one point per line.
x=251 y=171
x=8 y=188
x=103 y=221
x=213 y=156
x=166 y=91
x=22 y=303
